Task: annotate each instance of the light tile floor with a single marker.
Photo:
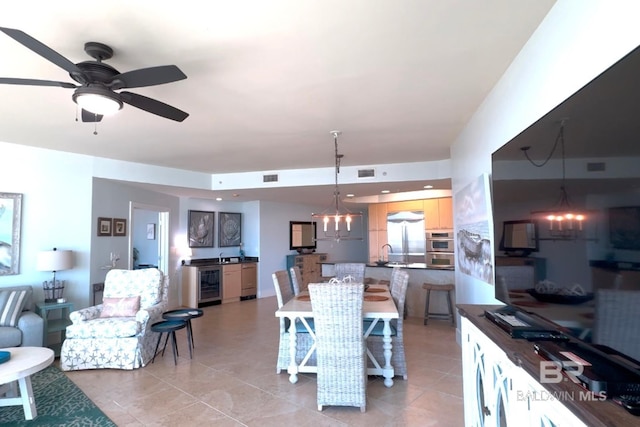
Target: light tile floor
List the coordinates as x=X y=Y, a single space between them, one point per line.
x=232 y=381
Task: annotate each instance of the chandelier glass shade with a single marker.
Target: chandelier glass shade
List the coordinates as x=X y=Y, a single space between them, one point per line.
x=565 y=221
x=337 y=220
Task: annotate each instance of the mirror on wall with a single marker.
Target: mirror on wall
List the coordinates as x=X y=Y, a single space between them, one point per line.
x=302 y=235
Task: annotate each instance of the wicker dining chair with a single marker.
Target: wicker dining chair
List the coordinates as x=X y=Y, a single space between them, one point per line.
x=296 y=280
x=617 y=324
x=375 y=344
x=340 y=346
x=353 y=269
x=284 y=293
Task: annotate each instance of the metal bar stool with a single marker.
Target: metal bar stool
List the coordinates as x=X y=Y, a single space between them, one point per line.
x=435 y=287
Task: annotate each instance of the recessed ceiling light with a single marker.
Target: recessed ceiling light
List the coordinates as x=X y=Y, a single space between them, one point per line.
x=351 y=195
x=385 y=191
x=428 y=186
x=218 y=198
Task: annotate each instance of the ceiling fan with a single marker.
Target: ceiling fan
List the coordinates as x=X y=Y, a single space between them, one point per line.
x=97 y=82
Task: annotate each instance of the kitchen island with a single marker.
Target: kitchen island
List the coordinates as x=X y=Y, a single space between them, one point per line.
x=418 y=274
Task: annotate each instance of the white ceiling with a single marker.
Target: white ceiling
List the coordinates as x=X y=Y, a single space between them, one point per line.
x=268 y=80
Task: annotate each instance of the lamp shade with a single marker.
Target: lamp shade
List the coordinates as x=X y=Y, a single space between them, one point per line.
x=54 y=260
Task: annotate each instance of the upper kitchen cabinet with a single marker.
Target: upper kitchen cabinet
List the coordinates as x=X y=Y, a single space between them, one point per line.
x=438 y=213
x=378 y=217
x=409 y=205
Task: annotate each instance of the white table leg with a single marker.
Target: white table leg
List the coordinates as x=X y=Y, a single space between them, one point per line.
x=293 y=367
x=28 y=402
x=388 y=369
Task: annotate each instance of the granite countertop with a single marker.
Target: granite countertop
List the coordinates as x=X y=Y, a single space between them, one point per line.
x=413 y=265
x=225 y=261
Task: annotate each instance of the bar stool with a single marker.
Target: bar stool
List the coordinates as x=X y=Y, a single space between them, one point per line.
x=444 y=288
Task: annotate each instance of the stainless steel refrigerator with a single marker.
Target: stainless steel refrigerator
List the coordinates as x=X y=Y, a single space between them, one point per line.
x=405 y=234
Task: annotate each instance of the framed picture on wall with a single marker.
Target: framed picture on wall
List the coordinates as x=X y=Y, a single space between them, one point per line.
x=151 y=232
x=119 y=227
x=229 y=229
x=104 y=226
x=10 y=212
x=201 y=229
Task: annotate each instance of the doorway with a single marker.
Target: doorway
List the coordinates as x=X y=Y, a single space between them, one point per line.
x=149 y=237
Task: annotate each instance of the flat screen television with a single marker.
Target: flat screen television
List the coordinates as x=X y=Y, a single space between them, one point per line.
x=599 y=256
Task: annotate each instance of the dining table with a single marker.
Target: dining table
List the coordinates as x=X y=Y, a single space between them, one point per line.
x=378 y=306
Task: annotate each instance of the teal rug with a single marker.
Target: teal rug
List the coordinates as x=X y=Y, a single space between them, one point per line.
x=59 y=402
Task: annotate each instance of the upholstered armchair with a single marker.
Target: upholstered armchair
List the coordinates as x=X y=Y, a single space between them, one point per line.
x=117 y=333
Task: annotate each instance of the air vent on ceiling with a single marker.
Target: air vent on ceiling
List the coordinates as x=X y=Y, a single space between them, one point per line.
x=366 y=173
x=596 y=167
x=270 y=178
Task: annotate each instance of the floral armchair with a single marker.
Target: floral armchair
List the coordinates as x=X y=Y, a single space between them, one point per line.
x=117 y=333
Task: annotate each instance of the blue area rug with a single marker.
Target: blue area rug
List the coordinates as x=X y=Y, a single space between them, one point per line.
x=59 y=402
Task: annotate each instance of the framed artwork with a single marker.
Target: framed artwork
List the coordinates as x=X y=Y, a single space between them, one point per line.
x=474 y=230
x=229 y=229
x=119 y=227
x=151 y=232
x=104 y=226
x=201 y=229
x=10 y=213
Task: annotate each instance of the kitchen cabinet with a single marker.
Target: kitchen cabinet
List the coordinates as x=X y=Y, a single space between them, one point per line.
x=231 y=283
x=409 y=205
x=249 y=280
x=309 y=265
x=377 y=216
x=438 y=213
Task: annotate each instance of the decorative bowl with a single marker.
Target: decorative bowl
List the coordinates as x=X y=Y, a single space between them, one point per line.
x=560 y=298
x=381 y=263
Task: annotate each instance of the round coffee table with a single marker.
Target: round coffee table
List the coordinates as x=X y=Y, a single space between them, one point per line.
x=185 y=314
x=24 y=361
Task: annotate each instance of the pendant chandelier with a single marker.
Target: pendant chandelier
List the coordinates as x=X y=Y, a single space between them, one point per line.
x=564 y=220
x=337 y=220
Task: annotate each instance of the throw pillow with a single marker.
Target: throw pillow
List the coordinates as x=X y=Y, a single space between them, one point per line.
x=11 y=305
x=120 y=307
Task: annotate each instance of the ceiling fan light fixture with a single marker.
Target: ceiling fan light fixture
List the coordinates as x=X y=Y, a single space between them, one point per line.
x=97 y=100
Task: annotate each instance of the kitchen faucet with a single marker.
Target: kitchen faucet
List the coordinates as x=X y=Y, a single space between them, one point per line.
x=390 y=249
x=220 y=258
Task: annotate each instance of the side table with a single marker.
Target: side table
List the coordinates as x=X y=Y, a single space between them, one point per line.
x=58 y=324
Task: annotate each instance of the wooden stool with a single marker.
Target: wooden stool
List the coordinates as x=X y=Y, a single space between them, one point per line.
x=433 y=287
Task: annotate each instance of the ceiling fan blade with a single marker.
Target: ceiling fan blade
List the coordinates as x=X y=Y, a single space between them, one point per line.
x=32 y=82
x=90 y=117
x=42 y=50
x=153 y=106
x=148 y=77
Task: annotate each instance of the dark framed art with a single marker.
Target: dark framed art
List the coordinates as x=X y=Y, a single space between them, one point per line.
x=201 y=229
x=151 y=231
x=229 y=229
x=119 y=227
x=10 y=213
x=104 y=226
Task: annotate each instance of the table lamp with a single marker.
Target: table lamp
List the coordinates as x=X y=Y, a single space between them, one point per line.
x=54 y=260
